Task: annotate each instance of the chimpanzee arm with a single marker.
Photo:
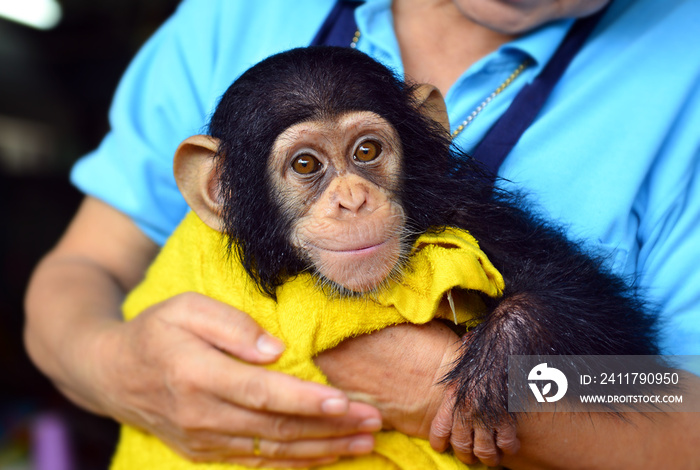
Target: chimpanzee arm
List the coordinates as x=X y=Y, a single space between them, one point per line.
x=559 y=300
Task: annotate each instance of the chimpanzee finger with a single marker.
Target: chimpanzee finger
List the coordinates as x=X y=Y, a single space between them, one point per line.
x=441 y=427
x=485 y=446
x=506 y=439
x=462 y=440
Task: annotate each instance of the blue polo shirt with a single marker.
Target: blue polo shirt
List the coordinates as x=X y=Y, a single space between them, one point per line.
x=613 y=155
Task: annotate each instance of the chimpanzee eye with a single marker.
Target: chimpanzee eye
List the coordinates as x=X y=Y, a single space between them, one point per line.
x=367 y=151
x=306 y=164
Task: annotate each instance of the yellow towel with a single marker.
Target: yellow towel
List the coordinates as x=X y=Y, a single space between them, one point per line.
x=308 y=322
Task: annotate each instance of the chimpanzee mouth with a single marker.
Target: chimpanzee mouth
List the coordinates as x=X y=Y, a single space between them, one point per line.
x=364 y=249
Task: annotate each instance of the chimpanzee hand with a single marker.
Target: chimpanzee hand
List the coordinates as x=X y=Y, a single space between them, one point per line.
x=174 y=377
x=398 y=370
x=470 y=441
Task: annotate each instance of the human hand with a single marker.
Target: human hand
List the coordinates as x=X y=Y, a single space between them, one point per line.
x=171 y=373
x=398 y=370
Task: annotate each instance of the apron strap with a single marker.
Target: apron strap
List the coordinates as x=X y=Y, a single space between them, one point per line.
x=505 y=133
x=339 y=27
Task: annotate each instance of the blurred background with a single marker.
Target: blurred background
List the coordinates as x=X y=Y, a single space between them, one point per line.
x=57 y=78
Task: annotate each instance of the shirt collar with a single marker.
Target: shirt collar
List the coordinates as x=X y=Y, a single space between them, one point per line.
x=540 y=44
x=374 y=19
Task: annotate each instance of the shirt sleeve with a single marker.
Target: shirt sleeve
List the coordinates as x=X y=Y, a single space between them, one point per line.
x=160 y=101
x=669 y=256
x=169 y=91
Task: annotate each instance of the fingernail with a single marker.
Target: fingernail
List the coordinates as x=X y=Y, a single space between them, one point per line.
x=335 y=406
x=270 y=345
x=361 y=445
x=370 y=425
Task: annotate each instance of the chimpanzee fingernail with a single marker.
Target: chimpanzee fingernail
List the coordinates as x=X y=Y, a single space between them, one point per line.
x=269 y=345
x=334 y=406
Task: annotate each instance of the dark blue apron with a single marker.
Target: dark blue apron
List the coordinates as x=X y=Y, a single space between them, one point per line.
x=339 y=29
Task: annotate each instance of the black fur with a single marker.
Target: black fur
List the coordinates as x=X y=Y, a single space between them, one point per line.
x=559 y=299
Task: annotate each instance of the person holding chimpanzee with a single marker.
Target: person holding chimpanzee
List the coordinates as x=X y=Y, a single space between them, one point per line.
x=343 y=205
x=589 y=156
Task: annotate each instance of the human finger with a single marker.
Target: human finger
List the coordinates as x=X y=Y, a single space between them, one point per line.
x=226 y=420
x=236 y=448
x=311 y=449
x=224 y=327
x=255 y=462
x=317 y=448
x=259 y=389
x=361 y=418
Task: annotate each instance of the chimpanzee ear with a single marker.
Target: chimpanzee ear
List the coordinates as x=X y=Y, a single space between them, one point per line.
x=195 y=173
x=432 y=104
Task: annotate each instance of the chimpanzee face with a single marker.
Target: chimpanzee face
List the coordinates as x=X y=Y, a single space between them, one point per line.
x=336 y=180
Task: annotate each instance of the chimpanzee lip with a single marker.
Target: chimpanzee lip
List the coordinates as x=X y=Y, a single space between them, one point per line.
x=364 y=248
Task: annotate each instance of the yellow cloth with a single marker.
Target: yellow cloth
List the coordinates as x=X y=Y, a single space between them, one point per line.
x=309 y=323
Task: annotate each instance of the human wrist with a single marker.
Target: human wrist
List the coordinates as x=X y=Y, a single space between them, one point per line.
x=441 y=392
x=86 y=359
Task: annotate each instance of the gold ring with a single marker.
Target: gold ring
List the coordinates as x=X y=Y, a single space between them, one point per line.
x=256 y=446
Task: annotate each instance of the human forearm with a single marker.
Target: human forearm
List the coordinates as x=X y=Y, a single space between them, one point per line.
x=75 y=294
x=601 y=441
x=71 y=303
x=658 y=439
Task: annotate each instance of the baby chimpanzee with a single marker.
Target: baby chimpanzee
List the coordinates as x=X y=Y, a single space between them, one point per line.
x=335 y=190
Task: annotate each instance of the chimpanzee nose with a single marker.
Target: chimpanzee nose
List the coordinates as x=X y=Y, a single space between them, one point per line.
x=353 y=198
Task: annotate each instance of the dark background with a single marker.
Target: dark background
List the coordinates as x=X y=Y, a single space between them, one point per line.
x=55 y=89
